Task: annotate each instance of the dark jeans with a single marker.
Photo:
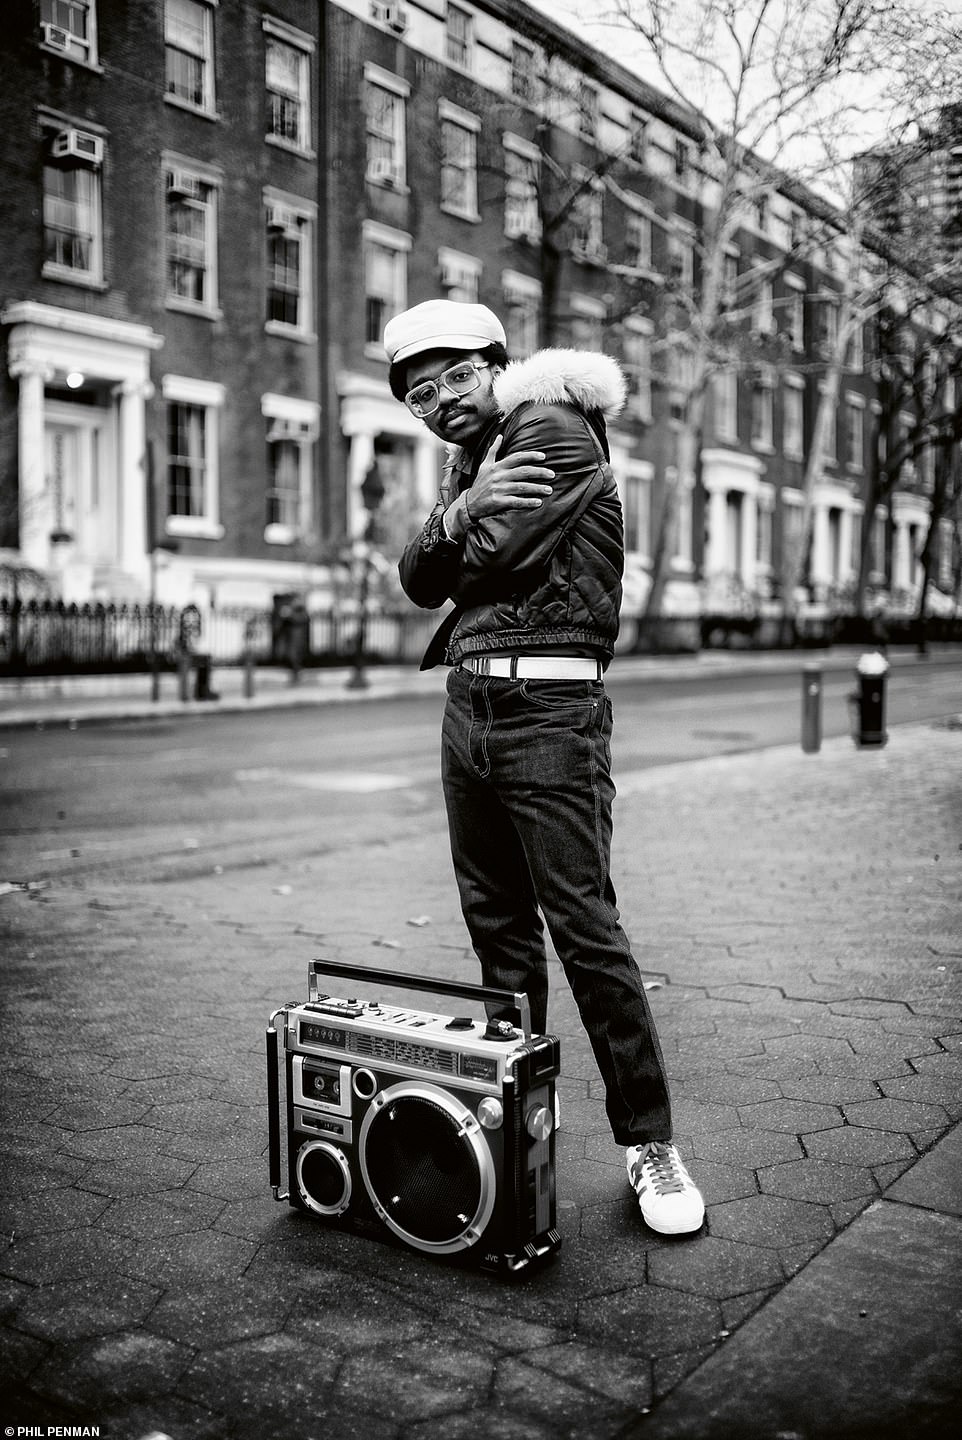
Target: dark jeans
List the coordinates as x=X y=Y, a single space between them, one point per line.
x=527 y=783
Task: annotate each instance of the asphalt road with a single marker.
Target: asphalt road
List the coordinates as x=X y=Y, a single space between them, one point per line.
x=177 y=796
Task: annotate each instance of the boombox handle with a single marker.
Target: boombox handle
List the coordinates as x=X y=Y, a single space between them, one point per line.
x=462 y=990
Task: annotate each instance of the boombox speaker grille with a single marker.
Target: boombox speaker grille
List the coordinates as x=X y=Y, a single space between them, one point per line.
x=427 y=1167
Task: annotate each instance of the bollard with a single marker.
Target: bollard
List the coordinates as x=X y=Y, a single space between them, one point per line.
x=811 y=709
x=868 y=702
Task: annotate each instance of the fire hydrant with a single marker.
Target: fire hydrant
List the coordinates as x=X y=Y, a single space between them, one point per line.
x=868 y=701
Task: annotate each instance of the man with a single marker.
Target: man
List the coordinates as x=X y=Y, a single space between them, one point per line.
x=526 y=539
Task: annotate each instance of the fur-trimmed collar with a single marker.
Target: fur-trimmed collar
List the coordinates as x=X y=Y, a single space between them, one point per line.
x=580 y=377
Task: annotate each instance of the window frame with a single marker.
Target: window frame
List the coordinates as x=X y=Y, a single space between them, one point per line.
x=56 y=18
x=522 y=319
x=303 y=45
x=91 y=275
x=396 y=244
x=207 y=104
x=291 y=422
x=298 y=218
x=522 y=189
x=206 y=204
x=207 y=397
x=388 y=170
x=455 y=121
x=459 y=48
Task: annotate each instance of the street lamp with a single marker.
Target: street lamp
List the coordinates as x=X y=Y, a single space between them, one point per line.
x=372 y=493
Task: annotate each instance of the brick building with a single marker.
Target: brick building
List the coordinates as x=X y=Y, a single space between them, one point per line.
x=216 y=205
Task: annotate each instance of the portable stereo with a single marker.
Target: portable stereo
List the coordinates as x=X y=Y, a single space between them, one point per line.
x=432 y=1131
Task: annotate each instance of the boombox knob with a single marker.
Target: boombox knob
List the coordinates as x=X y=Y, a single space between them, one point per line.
x=539 y=1122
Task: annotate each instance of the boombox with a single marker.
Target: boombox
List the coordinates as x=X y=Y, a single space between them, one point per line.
x=435 y=1132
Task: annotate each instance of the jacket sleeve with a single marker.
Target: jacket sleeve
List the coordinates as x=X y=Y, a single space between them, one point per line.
x=430 y=564
x=506 y=553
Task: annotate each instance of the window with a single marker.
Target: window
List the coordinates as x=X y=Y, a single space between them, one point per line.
x=795 y=305
x=793 y=419
x=681 y=258
x=191 y=240
x=522 y=321
x=458 y=36
x=70 y=26
x=287 y=78
x=682 y=162
x=588 y=110
x=189 y=45
x=681 y=377
x=854 y=432
x=587 y=220
x=827 y=324
x=524 y=75
x=637 y=347
x=878 y=550
x=725 y=395
x=856 y=350
x=682 y=528
x=522 y=208
x=637 y=507
x=385 y=279
x=638 y=138
x=762 y=410
x=729 y=284
x=762 y=212
x=460 y=276
x=830 y=441
x=638 y=241
x=587 y=322
x=72 y=215
x=459 y=161
x=763 y=309
x=290 y=289
x=192 y=454
x=384 y=108
x=292 y=429
x=793 y=515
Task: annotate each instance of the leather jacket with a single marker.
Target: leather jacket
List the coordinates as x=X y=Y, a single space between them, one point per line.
x=530 y=581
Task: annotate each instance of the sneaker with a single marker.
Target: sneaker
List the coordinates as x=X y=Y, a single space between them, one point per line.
x=669 y=1201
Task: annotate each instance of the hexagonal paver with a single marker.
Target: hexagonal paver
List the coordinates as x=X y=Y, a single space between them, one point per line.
x=80 y=1309
x=771 y=1221
x=691 y=1116
x=714 y=1267
x=208 y=1316
x=242 y=1379
x=649 y=1320
x=152 y=1174
x=573 y=1410
x=173 y=1212
x=420 y=1380
x=68 y=1255
x=820 y=1181
x=65 y=1209
x=797 y=1117
x=857 y=1145
x=905 y=1116
x=176 y=1259
x=596 y=1369
x=748 y=1148
x=123 y=1366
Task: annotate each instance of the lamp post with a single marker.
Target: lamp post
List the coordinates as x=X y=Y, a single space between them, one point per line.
x=372 y=493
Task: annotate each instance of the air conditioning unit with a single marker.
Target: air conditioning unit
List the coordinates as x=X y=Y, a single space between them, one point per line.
x=383 y=171
x=282 y=220
x=392 y=15
x=78 y=145
x=182 y=185
x=55 y=36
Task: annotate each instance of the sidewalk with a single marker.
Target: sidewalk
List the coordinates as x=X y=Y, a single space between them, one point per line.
x=797 y=919
x=62 y=700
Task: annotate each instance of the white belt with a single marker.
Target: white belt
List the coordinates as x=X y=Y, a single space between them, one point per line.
x=534 y=667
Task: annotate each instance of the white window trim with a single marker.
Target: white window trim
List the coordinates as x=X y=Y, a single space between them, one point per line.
x=390 y=239
x=94 y=278
x=450 y=262
x=306 y=211
x=465 y=120
x=298 y=40
x=796 y=384
x=91 y=59
x=306 y=414
x=207 y=109
x=209 y=394
x=207 y=175
x=640 y=400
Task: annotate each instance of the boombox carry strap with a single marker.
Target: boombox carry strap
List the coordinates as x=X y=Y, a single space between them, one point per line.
x=462 y=990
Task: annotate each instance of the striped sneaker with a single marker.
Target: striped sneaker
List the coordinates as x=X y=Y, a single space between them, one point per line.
x=669 y=1201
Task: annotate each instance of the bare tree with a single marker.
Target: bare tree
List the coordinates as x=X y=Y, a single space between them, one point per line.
x=776 y=89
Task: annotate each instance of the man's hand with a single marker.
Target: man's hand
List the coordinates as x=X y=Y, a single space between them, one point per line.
x=514 y=483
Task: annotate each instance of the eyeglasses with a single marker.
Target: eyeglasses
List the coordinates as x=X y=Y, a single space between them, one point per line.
x=461 y=379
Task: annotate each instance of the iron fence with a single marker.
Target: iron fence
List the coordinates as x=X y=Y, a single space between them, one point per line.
x=50 y=637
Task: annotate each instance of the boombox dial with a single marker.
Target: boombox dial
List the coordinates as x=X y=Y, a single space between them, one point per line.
x=364 y=1084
